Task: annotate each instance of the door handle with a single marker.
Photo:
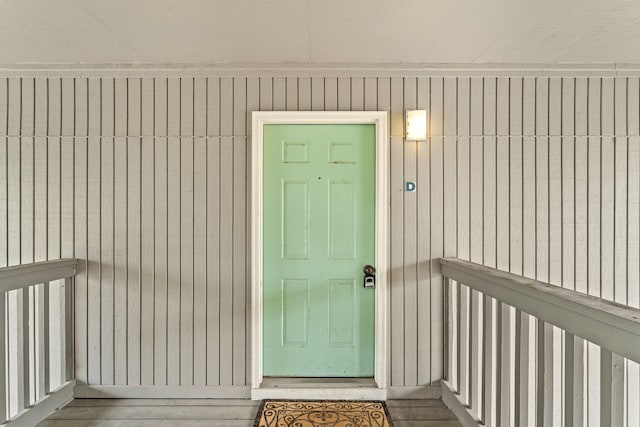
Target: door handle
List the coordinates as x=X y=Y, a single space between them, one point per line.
x=369 y=276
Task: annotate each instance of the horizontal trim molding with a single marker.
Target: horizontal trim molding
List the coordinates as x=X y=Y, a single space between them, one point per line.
x=312 y=70
x=161 y=392
x=438 y=135
x=232 y=392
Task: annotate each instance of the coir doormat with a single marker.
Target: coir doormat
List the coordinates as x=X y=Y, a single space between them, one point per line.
x=322 y=413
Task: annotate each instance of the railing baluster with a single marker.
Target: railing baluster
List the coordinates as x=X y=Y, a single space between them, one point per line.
x=578 y=381
x=605 y=387
x=573 y=378
x=13 y=336
x=447 y=325
x=544 y=375
x=39 y=335
x=540 y=370
x=62 y=331
x=46 y=339
x=499 y=353
x=23 y=351
x=3 y=372
x=476 y=325
x=68 y=326
x=487 y=357
x=569 y=357
x=617 y=390
x=521 y=369
x=549 y=350
x=517 y=366
x=27 y=327
x=611 y=389
x=506 y=359
x=471 y=347
x=458 y=337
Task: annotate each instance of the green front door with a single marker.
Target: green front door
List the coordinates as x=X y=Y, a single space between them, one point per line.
x=319 y=232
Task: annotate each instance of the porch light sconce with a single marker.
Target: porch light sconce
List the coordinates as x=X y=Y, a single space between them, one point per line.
x=416 y=125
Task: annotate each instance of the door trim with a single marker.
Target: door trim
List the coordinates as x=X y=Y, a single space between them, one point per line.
x=381 y=334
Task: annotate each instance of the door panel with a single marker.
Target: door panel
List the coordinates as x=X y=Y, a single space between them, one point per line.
x=295 y=312
x=319 y=231
x=342 y=310
x=295 y=220
x=342 y=220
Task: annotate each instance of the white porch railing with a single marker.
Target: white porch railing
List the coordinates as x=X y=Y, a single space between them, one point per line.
x=519 y=352
x=36 y=346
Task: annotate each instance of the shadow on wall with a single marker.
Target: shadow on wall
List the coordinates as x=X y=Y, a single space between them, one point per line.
x=423 y=273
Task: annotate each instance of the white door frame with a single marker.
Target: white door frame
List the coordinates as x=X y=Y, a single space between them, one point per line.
x=379 y=119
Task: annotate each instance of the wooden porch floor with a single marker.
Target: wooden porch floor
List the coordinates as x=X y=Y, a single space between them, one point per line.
x=216 y=413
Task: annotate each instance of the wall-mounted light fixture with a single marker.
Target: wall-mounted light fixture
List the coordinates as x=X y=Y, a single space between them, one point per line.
x=416 y=125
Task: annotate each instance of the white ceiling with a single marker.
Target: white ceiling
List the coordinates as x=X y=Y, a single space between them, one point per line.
x=320 y=31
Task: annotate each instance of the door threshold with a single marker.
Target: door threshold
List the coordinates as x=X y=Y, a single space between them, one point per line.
x=315 y=382
x=319 y=389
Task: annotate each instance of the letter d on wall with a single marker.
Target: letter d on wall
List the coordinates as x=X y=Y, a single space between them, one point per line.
x=410 y=186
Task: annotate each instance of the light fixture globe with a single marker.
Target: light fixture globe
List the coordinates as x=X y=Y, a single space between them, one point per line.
x=416 y=125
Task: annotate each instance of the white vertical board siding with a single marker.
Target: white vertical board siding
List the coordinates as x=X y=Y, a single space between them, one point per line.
x=145 y=180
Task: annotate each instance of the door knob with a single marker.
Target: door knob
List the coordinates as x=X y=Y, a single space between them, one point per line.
x=369 y=276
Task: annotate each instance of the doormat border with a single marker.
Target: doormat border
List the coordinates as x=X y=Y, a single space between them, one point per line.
x=265 y=401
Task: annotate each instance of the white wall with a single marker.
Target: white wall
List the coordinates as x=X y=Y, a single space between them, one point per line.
x=145 y=180
x=319 y=31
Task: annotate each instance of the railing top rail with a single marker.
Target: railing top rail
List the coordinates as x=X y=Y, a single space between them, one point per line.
x=19 y=276
x=613 y=326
